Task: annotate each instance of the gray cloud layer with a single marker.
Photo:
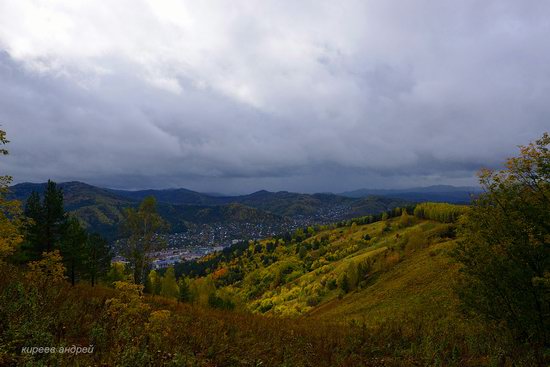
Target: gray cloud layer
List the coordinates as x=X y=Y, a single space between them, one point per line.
x=233 y=97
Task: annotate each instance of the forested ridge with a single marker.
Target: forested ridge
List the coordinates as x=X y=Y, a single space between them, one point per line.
x=102 y=210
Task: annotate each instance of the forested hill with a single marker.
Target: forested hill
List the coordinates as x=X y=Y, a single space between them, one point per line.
x=171 y=196
x=102 y=209
x=283 y=203
x=76 y=194
x=342 y=270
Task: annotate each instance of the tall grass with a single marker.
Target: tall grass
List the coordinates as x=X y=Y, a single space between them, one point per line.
x=129 y=329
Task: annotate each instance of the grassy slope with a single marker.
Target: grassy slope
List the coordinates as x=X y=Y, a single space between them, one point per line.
x=419 y=283
x=406 y=302
x=402 y=280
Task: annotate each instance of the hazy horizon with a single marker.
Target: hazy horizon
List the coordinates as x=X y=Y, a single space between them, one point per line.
x=408 y=188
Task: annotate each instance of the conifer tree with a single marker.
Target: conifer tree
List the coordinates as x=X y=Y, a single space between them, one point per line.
x=73 y=249
x=32 y=248
x=343 y=282
x=54 y=216
x=185 y=292
x=352 y=274
x=33 y=210
x=157 y=283
x=98 y=257
x=48 y=221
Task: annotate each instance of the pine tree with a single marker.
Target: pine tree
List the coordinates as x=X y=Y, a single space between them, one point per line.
x=73 y=249
x=148 y=286
x=352 y=274
x=185 y=292
x=343 y=282
x=302 y=252
x=54 y=216
x=47 y=222
x=157 y=283
x=98 y=257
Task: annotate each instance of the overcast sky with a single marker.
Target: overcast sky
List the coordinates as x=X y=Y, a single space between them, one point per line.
x=237 y=96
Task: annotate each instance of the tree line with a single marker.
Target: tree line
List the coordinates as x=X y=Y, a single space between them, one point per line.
x=86 y=256
x=441 y=212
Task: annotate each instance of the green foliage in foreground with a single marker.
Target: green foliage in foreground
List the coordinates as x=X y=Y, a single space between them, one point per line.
x=373 y=294
x=505 y=249
x=126 y=328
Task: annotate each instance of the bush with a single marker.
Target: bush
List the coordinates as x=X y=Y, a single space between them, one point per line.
x=331 y=284
x=215 y=301
x=504 y=252
x=313 y=301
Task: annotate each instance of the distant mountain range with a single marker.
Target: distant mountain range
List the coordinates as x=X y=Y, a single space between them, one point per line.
x=282 y=203
x=102 y=209
x=438 y=193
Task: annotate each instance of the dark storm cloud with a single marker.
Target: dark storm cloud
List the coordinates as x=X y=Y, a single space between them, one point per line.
x=283 y=95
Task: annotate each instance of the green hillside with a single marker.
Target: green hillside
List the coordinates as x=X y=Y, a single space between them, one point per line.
x=419 y=283
x=282 y=203
x=386 y=264
x=102 y=210
x=99 y=210
x=392 y=278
